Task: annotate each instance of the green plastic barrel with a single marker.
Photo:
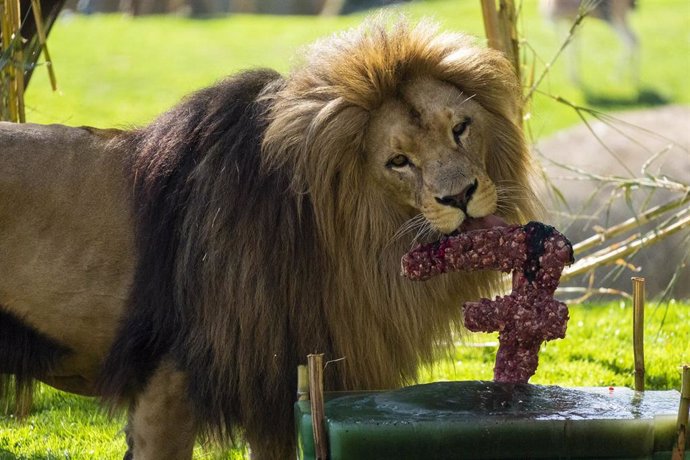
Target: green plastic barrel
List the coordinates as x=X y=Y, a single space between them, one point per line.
x=487 y=420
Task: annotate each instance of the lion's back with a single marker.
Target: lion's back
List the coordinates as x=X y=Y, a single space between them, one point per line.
x=66 y=234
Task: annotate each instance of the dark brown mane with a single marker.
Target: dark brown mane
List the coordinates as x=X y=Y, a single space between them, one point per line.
x=202 y=159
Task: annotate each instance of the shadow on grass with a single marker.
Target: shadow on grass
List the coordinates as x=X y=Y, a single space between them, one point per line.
x=645 y=96
x=7 y=455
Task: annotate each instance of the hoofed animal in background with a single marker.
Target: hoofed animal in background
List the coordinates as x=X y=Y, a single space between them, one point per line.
x=613 y=12
x=186 y=268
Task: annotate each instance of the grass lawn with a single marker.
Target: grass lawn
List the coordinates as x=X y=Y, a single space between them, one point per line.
x=118 y=71
x=597 y=351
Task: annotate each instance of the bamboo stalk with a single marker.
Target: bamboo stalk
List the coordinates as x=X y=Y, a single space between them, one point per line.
x=507 y=20
x=43 y=41
x=315 y=363
x=13 y=74
x=629 y=224
x=4 y=71
x=638 y=331
x=683 y=408
x=19 y=76
x=587 y=263
x=490 y=15
x=302 y=383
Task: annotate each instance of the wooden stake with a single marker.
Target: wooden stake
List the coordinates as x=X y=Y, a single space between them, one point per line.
x=302 y=383
x=638 y=331
x=683 y=408
x=493 y=34
x=500 y=26
x=315 y=363
x=507 y=21
x=42 y=40
x=617 y=251
x=13 y=73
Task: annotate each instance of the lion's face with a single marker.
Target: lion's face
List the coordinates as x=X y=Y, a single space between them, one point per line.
x=427 y=147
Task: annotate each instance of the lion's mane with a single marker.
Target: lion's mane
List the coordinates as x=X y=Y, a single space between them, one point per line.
x=261 y=238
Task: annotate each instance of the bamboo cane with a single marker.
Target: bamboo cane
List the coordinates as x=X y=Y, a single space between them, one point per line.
x=638 y=331
x=315 y=363
x=683 y=408
x=605 y=256
x=647 y=216
x=302 y=383
x=13 y=73
x=490 y=15
x=42 y=40
x=507 y=21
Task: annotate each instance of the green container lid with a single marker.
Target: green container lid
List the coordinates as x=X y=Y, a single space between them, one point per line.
x=488 y=420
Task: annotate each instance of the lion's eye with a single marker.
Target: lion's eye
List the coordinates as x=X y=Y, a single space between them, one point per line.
x=398 y=161
x=460 y=129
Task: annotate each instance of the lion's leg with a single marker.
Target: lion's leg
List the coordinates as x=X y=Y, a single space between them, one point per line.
x=278 y=449
x=161 y=423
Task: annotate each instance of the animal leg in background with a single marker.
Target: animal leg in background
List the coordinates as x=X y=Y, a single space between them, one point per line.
x=612 y=12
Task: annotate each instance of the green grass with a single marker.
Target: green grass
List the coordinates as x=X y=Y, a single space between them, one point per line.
x=119 y=71
x=597 y=351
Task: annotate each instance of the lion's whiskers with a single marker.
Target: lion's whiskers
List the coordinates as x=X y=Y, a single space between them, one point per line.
x=408 y=226
x=425 y=230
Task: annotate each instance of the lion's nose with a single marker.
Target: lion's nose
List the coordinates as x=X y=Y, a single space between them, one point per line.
x=461 y=199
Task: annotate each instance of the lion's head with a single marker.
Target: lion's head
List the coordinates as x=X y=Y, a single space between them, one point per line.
x=427 y=150
x=426 y=122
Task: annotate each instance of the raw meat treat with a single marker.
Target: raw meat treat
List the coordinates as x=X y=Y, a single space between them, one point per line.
x=529 y=315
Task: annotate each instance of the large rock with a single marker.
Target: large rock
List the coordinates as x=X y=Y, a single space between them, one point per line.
x=659 y=139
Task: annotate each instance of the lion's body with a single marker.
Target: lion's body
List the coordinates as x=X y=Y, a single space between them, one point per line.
x=195 y=263
x=66 y=240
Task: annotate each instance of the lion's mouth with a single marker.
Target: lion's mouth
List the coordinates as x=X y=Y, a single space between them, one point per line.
x=479 y=223
x=411 y=260
x=469 y=224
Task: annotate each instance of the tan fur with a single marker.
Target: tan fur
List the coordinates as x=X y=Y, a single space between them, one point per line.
x=311 y=267
x=66 y=240
x=162 y=425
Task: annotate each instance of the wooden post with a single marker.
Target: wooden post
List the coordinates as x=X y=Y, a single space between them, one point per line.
x=42 y=40
x=500 y=26
x=683 y=408
x=493 y=33
x=302 y=383
x=638 y=331
x=507 y=22
x=315 y=363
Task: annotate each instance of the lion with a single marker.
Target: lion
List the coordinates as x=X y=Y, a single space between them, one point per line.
x=183 y=270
